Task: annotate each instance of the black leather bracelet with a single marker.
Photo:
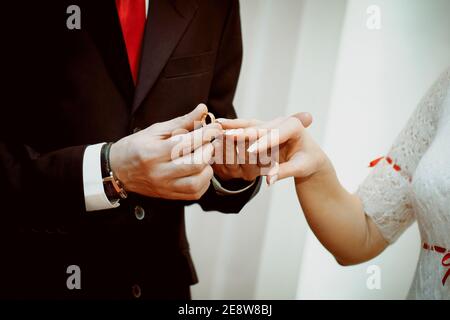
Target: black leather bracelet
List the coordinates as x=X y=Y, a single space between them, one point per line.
x=106 y=166
x=103 y=159
x=112 y=186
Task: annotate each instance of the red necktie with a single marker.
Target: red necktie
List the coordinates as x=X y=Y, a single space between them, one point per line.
x=132 y=18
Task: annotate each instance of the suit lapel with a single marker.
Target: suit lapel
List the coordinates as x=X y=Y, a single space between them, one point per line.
x=104 y=26
x=166 y=22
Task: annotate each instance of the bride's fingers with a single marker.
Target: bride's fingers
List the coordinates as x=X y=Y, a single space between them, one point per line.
x=288 y=129
x=276 y=131
x=256 y=132
x=292 y=168
x=272 y=124
x=228 y=124
x=243 y=134
x=243 y=129
x=298 y=166
x=305 y=117
x=272 y=174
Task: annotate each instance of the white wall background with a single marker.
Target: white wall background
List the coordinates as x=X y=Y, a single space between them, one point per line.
x=361 y=85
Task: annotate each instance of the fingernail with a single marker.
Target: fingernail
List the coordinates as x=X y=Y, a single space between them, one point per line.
x=176 y=138
x=252 y=148
x=221 y=120
x=231 y=132
x=274 y=170
x=272 y=180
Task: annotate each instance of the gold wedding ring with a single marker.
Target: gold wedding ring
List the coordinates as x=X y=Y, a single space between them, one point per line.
x=212 y=119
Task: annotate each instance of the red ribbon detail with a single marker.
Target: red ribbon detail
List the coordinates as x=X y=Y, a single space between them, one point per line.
x=389 y=160
x=440 y=249
x=445 y=259
x=446 y=264
x=375 y=162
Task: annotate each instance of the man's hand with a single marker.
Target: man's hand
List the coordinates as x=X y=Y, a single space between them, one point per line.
x=232 y=148
x=148 y=162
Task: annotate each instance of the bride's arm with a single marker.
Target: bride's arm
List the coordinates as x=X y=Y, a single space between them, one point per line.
x=363 y=224
x=337 y=218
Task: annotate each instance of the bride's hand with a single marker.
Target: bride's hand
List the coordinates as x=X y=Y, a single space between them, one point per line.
x=299 y=155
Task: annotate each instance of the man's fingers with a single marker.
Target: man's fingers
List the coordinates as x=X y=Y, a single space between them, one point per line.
x=190 y=120
x=194 y=185
x=184 y=144
x=190 y=164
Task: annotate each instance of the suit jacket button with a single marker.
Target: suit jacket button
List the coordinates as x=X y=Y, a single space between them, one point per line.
x=139 y=213
x=136 y=291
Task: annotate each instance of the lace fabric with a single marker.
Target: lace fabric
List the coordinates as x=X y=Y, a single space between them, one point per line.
x=413 y=183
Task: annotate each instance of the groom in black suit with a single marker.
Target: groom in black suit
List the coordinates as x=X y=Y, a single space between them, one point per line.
x=75 y=221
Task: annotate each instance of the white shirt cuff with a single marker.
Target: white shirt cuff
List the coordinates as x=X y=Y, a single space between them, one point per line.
x=95 y=198
x=225 y=192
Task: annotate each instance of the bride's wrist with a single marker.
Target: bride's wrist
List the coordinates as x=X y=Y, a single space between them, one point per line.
x=323 y=174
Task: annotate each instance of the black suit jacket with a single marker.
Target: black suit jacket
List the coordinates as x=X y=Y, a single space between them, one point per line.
x=66 y=89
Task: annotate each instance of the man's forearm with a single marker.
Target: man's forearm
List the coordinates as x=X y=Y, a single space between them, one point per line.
x=46 y=182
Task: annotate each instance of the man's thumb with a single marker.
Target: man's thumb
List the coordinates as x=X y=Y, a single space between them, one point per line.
x=188 y=121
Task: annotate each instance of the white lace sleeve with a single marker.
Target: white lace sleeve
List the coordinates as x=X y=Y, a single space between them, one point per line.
x=385 y=194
